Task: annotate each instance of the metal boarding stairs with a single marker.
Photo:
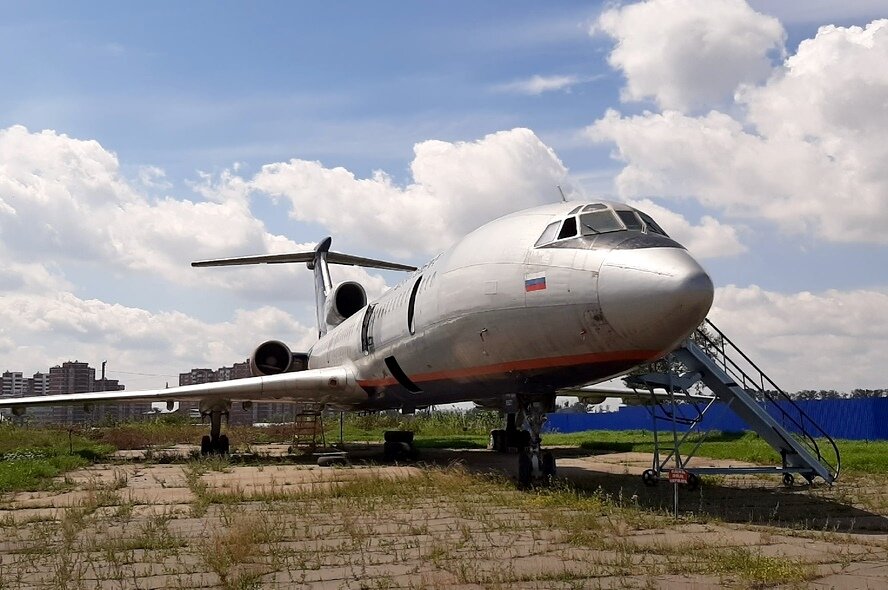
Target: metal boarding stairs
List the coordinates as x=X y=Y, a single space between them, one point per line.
x=710 y=359
x=308 y=427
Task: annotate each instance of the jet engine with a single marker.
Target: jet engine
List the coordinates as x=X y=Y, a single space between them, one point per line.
x=274 y=357
x=346 y=300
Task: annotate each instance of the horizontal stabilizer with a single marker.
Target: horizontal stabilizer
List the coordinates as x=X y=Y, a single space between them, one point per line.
x=332 y=258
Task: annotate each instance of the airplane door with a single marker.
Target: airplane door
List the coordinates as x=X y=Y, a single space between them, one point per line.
x=367 y=330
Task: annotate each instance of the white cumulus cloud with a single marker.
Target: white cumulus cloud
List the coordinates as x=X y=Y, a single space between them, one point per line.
x=829 y=340
x=456 y=187
x=690 y=54
x=41 y=329
x=64 y=199
x=804 y=150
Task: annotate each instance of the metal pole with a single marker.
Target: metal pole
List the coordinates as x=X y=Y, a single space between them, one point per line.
x=341 y=429
x=675 y=452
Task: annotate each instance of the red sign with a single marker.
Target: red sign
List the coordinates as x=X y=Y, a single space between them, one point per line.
x=678 y=476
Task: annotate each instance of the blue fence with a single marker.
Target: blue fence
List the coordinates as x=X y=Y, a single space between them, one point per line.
x=850 y=419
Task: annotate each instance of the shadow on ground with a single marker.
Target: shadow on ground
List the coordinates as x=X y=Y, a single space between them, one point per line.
x=738 y=499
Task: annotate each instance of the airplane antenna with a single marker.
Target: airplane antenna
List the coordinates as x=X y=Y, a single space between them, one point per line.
x=563 y=198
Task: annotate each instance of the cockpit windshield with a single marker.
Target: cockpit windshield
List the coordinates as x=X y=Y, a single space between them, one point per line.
x=598 y=218
x=599 y=222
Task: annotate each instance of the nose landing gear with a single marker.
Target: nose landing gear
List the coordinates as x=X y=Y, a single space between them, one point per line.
x=534 y=464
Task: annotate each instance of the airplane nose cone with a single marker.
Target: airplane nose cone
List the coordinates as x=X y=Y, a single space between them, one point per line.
x=653 y=297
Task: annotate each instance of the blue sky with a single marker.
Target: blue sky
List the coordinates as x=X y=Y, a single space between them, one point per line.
x=188 y=96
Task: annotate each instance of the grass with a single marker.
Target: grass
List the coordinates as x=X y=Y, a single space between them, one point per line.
x=378 y=528
x=31 y=457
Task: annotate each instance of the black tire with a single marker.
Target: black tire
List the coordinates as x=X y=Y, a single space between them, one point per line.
x=522 y=439
x=392 y=451
x=788 y=480
x=206 y=445
x=399 y=436
x=223 y=445
x=650 y=478
x=525 y=470
x=549 y=465
x=693 y=482
x=498 y=441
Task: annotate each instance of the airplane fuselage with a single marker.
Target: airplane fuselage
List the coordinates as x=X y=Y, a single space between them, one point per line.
x=508 y=311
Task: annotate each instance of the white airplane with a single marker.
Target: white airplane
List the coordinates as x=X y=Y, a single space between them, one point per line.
x=546 y=299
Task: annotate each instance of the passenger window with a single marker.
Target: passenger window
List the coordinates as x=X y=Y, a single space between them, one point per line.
x=599 y=222
x=568 y=229
x=548 y=234
x=630 y=220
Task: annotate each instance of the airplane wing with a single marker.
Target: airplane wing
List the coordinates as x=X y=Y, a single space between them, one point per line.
x=595 y=394
x=332 y=258
x=334 y=385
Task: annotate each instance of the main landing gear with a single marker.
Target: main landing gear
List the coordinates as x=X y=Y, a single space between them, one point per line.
x=505 y=440
x=215 y=443
x=399 y=445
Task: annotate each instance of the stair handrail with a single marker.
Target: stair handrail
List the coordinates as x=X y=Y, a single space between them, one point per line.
x=804 y=417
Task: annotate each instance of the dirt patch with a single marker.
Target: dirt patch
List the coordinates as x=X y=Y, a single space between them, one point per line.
x=455 y=521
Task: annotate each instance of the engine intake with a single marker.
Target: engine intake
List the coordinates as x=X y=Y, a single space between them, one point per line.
x=271 y=358
x=345 y=301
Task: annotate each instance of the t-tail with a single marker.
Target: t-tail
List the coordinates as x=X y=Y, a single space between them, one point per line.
x=333 y=303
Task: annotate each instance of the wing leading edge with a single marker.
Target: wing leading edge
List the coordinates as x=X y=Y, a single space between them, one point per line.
x=334 y=385
x=332 y=258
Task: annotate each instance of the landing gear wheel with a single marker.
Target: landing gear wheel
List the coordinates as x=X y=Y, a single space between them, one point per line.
x=525 y=470
x=393 y=451
x=223 y=445
x=399 y=436
x=650 y=478
x=498 y=441
x=548 y=465
x=522 y=439
x=788 y=480
x=206 y=445
x=693 y=482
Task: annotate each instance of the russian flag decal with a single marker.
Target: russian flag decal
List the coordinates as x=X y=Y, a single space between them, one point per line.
x=536 y=282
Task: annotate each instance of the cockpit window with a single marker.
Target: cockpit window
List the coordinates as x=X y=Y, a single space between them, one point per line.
x=599 y=222
x=569 y=229
x=652 y=225
x=597 y=218
x=548 y=234
x=630 y=220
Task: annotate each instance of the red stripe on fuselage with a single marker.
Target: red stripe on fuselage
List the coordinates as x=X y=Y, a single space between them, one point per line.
x=638 y=356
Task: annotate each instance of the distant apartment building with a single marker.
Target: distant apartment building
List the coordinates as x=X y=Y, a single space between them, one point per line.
x=15 y=384
x=38 y=384
x=69 y=377
x=12 y=384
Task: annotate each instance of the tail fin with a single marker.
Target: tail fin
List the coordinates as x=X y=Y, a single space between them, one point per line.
x=316 y=260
